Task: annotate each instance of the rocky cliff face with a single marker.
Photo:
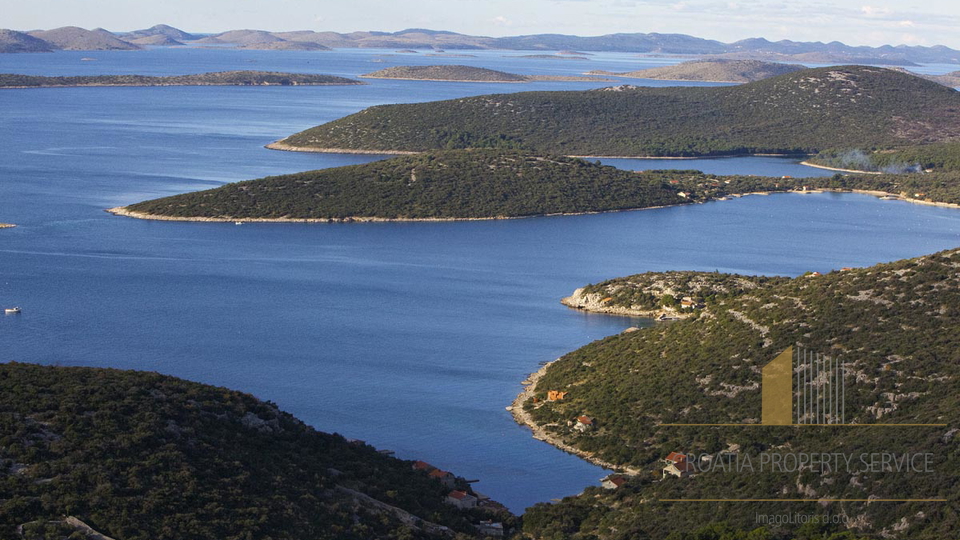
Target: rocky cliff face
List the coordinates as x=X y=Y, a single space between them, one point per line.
x=598 y=303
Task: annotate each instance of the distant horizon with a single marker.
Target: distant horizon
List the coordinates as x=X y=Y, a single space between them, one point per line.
x=211 y=33
x=853 y=22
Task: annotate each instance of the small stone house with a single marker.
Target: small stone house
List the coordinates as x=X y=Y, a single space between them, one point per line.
x=461 y=499
x=445 y=478
x=613 y=481
x=584 y=423
x=490 y=528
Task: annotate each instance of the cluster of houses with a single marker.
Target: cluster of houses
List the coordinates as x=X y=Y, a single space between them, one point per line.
x=582 y=423
x=464 y=499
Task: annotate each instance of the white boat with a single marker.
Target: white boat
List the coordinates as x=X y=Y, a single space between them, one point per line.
x=238 y=223
x=12 y=310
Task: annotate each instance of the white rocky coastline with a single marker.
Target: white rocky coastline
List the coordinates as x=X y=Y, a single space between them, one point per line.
x=523 y=418
x=593 y=302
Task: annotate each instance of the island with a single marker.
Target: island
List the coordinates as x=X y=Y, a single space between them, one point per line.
x=497 y=184
x=221 y=78
x=455 y=73
x=892 y=326
x=411 y=39
x=98 y=453
x=799 y=113
x=73 y=38
x=558 y=56
x=728 y=71
x=286 y=46
x=18 y=42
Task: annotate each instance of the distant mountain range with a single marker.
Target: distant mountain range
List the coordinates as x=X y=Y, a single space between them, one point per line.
x=73 y=38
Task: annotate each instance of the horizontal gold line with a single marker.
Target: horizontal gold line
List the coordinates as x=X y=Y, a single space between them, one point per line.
x=807 y=500
x=805 y=425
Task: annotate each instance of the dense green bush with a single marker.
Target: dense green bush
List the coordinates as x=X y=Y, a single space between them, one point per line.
x=802 y=112
x=141 y=456
x=894 y=325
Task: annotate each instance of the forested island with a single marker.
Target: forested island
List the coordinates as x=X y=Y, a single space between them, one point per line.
x=136 y=456
x=799 y=113
x=492 y=184
x=894 y=326
x=466 y=74
x=221 y=78
x=733 y=71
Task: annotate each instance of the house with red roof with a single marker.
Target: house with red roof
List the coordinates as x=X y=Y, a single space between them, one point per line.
x=584 y=423
x=445 y=478
x=461 y=499
x=613 y=481
x=677 y=465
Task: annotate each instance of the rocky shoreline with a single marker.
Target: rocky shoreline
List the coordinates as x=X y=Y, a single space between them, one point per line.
x=523 y=418
x=280 y=145
x=125 y=212
x=593 y=303
x=854 y=171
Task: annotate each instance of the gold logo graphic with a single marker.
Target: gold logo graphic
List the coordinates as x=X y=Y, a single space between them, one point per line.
x=804 y=388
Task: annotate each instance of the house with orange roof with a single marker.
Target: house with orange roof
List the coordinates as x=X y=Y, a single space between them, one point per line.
x=461 y=499
x=445 y=478
x=677 y=465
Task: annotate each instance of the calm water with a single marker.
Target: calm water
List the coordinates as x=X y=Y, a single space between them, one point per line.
x=413 y=337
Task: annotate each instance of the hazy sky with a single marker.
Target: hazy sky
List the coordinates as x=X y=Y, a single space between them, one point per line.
x=869 y=22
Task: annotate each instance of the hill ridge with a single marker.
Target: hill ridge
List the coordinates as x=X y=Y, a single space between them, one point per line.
x=799 y=113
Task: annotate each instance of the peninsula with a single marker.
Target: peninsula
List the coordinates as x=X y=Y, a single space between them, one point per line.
x=222 y=78
x=495 y=184
x=467 y=74
x=446 y=185
x=606 y=402
x=729 y=71
x=802 y=112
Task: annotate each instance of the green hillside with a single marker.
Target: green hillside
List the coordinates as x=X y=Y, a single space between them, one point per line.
x=485 y=184
x=452 y=184
x=802 y=112
x=938 y=157
x=140 y=456
x=895 y=326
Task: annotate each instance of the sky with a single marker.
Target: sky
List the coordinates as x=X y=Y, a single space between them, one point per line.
x=868 y=22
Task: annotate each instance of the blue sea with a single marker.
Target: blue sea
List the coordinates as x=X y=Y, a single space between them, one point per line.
x=411 y=336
